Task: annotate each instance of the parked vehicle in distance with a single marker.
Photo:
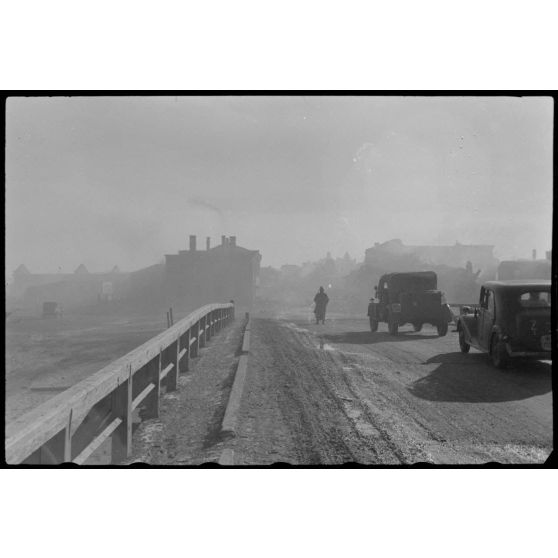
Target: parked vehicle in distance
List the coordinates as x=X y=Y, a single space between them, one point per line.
x=512 y=320
x=409 y=297
x=52 y=310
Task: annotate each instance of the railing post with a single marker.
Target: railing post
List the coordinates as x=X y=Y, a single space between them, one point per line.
x=54 y=451
x=121 y=407
x=195 y=345
x=151 y=410
x=208 y=326
x=68 y=439
x=172 y=376
x=201 y=332
x=187 y=355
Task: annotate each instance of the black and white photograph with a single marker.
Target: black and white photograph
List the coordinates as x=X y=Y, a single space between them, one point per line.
x=311 y=280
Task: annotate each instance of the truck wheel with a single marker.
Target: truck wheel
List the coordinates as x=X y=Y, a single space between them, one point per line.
x=442 y=328
x=417 y=327
x=498 y=353
x=463 y=345
x=373 y=325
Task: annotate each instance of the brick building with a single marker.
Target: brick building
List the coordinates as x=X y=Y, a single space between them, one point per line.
x=225 y=272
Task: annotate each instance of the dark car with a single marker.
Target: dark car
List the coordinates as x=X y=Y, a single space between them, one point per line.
x=410 y=297
x=512 y=320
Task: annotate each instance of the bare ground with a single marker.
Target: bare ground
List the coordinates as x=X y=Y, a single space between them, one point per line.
x=46 y=356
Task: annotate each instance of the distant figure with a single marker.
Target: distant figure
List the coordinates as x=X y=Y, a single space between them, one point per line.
x=321 y=300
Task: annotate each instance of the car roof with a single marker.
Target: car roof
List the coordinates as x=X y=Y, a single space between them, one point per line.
x=517 y=283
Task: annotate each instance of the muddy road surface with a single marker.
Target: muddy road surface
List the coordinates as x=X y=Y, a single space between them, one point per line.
x=336 y=393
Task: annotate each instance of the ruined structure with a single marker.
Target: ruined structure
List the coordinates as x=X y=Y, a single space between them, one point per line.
x=226 y=272
x=480 y=256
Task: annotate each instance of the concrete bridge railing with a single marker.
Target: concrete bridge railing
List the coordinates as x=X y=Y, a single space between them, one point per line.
x=74 y=424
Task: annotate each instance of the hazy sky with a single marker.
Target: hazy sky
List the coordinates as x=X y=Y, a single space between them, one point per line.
x=106 y=181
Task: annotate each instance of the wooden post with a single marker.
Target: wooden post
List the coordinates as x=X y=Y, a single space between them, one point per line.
x=201 y=333
x=171 y=317
x=151 y=410
x=172 y=376
x=196 y=344
x=68 y=439
x=121 y=407
x=186 y=362
x=208 y=326
x=54 y=451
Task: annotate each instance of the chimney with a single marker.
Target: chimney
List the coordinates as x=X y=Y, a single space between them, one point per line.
x=232 y=240
x=192 y=243
x=207 y=243
x=223 y=240
x=534 y=254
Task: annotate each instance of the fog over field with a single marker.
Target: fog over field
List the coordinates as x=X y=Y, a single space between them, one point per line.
x=124 y=180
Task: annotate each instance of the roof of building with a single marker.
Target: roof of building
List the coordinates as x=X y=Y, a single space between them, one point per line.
x=229 y=248
x=22 y=270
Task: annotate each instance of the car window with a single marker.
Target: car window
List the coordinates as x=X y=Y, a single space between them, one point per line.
x=535 y=299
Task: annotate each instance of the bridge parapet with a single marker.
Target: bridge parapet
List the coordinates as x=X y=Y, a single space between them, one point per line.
x=74 y=424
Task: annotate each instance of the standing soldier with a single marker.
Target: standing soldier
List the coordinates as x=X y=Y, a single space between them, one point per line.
x=321 y=300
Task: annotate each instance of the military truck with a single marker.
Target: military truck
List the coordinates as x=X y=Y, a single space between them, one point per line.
x=409 y=297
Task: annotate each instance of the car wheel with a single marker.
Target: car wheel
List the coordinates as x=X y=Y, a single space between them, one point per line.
x=463 y=345
x=373 y=325
x=442 y=328
x=417 y=327
x=498 y=353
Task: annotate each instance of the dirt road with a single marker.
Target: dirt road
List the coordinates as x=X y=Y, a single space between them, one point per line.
x=336 y=393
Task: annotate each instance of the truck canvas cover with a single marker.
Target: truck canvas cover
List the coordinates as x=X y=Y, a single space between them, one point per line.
x=413 y=281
